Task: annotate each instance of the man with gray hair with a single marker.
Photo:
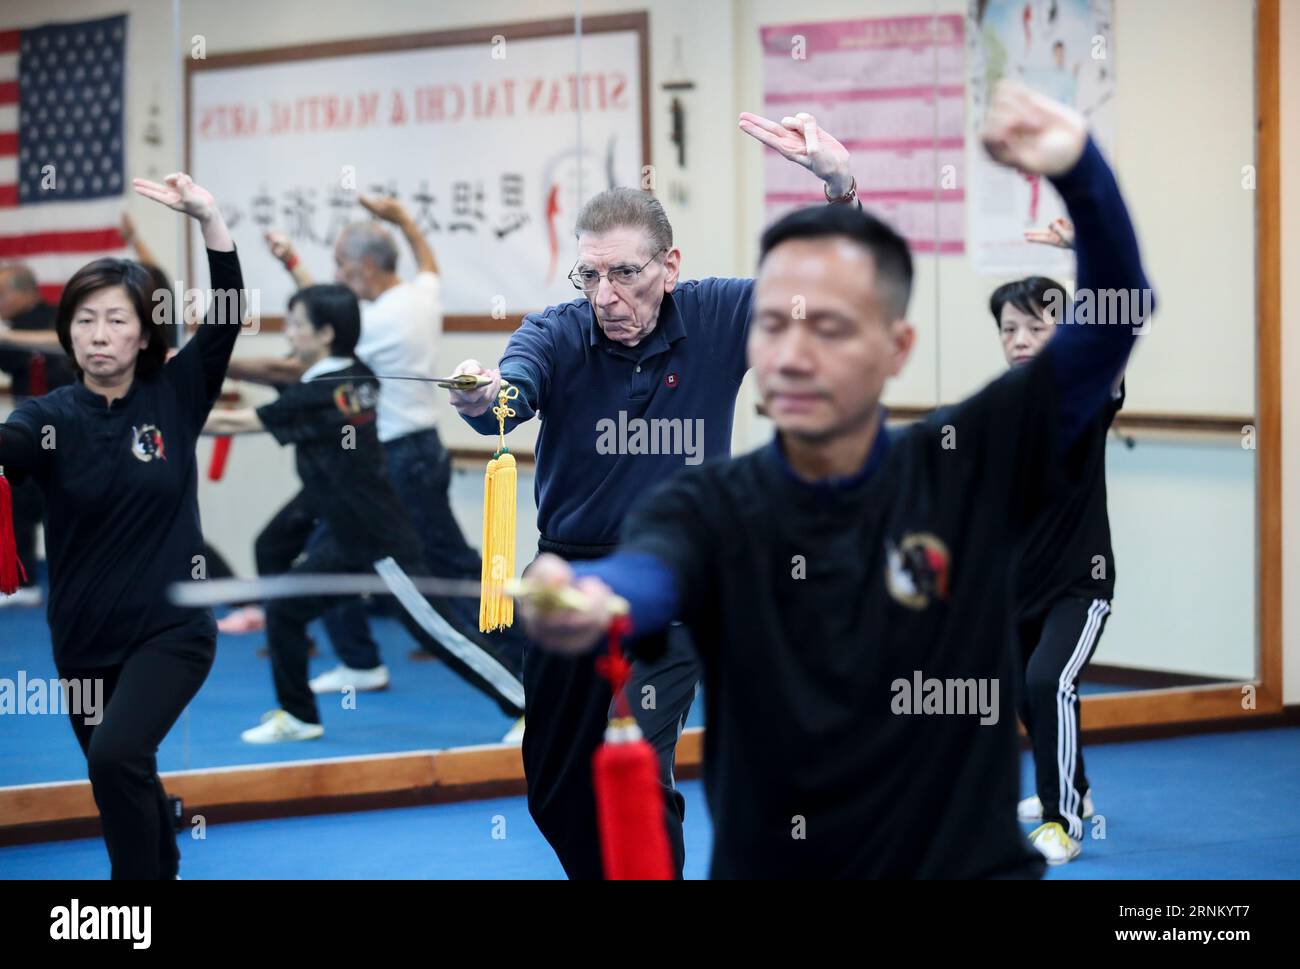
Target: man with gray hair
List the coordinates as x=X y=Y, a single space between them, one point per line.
x=653 y=357
x=31 y=355
x=29 y=348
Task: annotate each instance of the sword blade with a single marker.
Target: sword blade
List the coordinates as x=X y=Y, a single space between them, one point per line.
x=465 y=381
x=216 y=592
x=221 y=592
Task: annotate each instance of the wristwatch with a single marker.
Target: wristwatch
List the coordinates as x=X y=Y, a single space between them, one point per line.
x=844 y=199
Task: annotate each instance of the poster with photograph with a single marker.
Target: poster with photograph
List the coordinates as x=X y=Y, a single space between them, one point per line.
x=1064 y=49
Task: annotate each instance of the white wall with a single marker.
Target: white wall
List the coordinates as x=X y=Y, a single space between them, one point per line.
x=1182 y=515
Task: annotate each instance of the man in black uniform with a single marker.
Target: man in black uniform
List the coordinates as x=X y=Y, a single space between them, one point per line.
x=1067 y=581
x=851 y=588
x=35 y=368
x=341 y=465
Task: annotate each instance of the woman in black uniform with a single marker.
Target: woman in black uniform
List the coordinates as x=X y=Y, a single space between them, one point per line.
x=1065 y=586
x=114 y=454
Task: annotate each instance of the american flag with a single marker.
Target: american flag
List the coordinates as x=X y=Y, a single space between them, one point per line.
x=61 y=147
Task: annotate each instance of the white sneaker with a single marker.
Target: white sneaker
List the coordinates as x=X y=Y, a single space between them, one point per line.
x=1054 y=844
x=344 y=677
x=26 y=597
x=279 y=726
x=516 y=733
x=1031 y=808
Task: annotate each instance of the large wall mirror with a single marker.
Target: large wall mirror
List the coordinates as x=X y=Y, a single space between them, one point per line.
x=496 y=172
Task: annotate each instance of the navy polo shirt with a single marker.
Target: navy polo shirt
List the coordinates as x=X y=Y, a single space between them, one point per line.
x=617 y=420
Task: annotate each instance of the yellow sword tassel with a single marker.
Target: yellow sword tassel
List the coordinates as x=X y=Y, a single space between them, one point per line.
x=496 y=608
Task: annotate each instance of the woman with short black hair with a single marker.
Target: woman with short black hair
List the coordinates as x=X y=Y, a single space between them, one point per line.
x=114 y=454
x=330 y=417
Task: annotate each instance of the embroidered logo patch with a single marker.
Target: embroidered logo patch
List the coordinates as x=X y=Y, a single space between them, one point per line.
x=670 y=380
x=917 y=569
x=147 y=443
x=354 y=400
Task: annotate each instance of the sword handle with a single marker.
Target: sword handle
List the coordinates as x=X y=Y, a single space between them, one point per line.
x=549 y=598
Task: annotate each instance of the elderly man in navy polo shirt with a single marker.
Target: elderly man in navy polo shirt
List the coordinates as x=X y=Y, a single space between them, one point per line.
x=631 y=382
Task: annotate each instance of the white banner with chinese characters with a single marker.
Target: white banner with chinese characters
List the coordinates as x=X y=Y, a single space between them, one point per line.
x=1063 y=49
x=491 y=147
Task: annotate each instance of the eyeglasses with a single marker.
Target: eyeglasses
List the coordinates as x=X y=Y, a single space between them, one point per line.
x=588 y=279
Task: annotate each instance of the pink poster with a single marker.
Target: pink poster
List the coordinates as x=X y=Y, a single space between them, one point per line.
x=893 y=91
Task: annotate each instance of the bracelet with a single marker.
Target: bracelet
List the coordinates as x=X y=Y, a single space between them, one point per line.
x=847 y=197
x=292 y=262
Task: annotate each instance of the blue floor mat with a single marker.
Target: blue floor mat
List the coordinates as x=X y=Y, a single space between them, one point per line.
x=427 y=707
x=1211 y=806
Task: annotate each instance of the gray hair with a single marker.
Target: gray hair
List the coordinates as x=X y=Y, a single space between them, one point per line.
x=369 y=240
x=621 y=208
x=19 y=278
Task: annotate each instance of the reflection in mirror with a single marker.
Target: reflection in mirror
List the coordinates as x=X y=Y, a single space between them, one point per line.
x=399 y=207
x=1178 y=488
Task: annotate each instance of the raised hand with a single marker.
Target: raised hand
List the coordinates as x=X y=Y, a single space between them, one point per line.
x=1059 y=233
x=802 y=141
x=279 y=245
x=1032 y=133
x=383 y=207
x=178 y=191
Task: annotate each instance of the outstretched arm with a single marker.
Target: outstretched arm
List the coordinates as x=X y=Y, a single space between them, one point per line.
x=131 y=235
x=266 y=371
x=234 y=420
x=284 y=253
x=18 y=450
x=665 y=568
x=201 y=364
x=180 y=193
x=392 y=211
x=645 y=581
x=1113 y=298
x=47 y=340
x=527 y=364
